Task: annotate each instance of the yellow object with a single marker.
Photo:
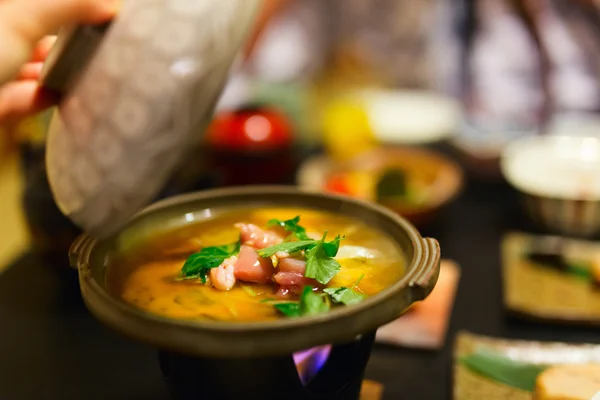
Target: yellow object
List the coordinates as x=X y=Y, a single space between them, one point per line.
x=31 y=129
x=568 y=382
x=596 y=270
x=14 y=234
x=14 y=237
x=346 y=130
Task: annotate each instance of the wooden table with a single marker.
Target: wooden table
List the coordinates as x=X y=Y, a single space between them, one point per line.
x=52 y=348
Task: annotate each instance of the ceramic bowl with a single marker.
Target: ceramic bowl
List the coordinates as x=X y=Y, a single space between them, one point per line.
x=559 y=179
x=226 y=340
x=441 y=177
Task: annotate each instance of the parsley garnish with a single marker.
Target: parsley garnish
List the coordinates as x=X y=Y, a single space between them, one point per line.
x=199 y=264
x=320 y=264
x=319 y=254
x=289 y=309
x=291 y=225
x=331 y=248
x=287 y=247
x=310 y=303
x=346 y=296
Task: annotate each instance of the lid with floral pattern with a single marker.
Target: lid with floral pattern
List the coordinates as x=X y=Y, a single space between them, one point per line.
x=135 y=94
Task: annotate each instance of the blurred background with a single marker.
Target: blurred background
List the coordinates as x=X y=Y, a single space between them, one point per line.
x=427 y=93
x=471 y=118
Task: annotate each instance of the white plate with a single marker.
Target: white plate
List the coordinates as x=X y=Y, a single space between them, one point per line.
x=411 y=116
x=147 y=93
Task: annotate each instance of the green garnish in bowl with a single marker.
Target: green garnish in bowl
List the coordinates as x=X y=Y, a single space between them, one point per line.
x=393 y=186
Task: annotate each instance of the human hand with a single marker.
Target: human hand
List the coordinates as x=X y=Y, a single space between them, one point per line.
x=24 y=26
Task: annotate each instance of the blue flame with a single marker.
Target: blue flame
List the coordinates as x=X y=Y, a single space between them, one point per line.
x=309 y=362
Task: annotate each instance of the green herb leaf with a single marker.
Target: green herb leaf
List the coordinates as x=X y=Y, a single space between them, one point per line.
x=310 y=303
x=345 y=295
x=358 y=281
x=288 y=247
x=289 y=309
x=503 y=370
x=331 y=248
x=199 y=264
x=291 y=225
x=319 y=264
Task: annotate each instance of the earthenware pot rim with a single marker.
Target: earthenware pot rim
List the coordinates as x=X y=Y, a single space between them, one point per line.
x=421 y=275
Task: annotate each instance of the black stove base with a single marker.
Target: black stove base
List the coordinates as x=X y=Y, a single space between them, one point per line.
x=269 y=378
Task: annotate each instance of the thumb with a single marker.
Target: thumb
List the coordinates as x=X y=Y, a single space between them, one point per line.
x=24 y=22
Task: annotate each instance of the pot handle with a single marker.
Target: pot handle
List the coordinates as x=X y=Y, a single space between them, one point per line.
x=78 y=250
x=428 y=270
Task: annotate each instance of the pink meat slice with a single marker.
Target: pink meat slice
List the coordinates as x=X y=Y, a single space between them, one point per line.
x=292 y=265
x=252 y=268
x=291 y=277
x=256 y=237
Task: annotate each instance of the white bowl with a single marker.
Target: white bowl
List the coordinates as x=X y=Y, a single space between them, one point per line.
x=559 y=177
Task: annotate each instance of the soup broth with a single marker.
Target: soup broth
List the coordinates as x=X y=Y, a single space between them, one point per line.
x=220 y=269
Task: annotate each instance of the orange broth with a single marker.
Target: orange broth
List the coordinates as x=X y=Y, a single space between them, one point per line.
x=147 y=277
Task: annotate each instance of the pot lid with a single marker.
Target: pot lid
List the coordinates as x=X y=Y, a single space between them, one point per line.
x=136 y=92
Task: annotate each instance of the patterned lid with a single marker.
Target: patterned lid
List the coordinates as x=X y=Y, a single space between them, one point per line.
x=135 y=94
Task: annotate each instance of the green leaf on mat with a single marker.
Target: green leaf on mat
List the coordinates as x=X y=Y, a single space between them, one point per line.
x=579 y=271
x=503 y=370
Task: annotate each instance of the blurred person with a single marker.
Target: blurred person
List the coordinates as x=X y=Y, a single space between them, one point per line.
x=290 y=45
x=394 y=43
x=529 y=60
x=403 y=44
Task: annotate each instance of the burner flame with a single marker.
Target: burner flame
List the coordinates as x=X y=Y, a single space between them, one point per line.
x=309 y=362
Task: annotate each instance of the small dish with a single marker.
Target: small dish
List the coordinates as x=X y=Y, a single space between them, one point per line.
x=252 y=145
x=538 y=287
x=436 y=180
x=559 y=179
x=490 y=368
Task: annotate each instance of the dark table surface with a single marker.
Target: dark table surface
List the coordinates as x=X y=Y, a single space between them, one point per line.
x=52 y=348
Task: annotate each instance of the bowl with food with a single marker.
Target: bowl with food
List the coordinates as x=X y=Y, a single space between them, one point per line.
x=416 y=183
x=238 y=282
x=558 y=177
